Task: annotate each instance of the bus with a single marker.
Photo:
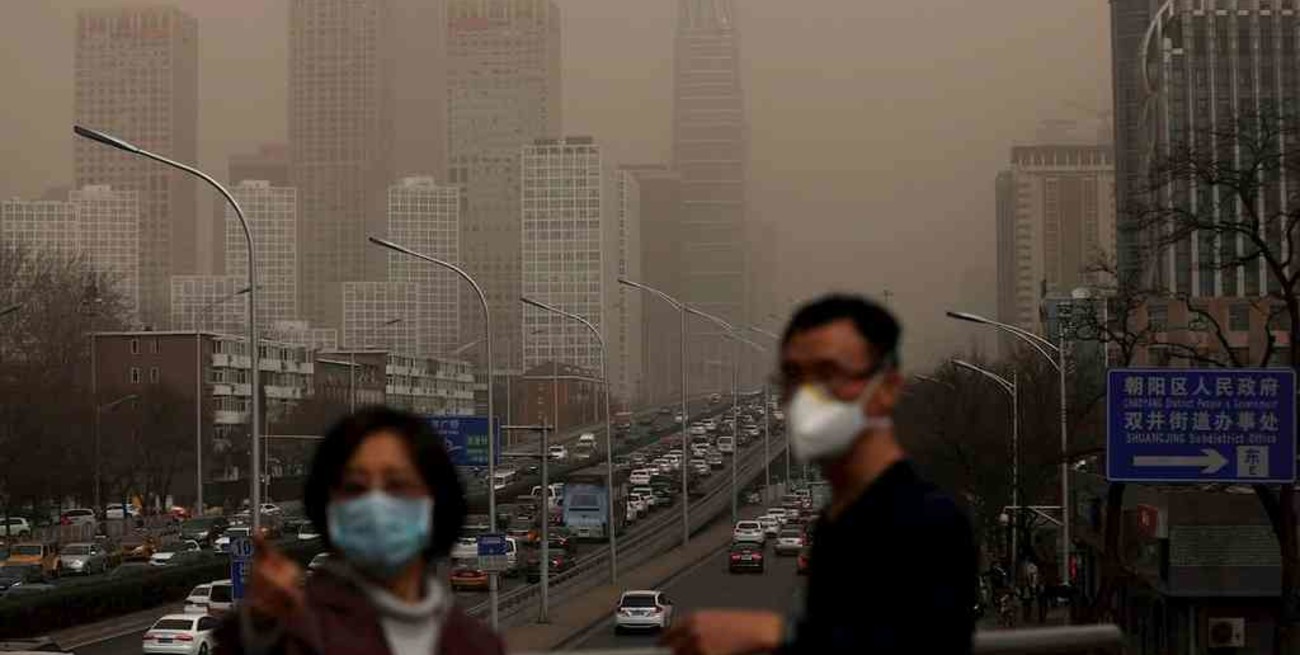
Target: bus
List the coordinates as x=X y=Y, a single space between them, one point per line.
x=587 y=502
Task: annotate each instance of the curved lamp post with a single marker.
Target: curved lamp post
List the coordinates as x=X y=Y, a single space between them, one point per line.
x=1011 y=389
x=1055 y=355
x=255 y=474
x=609 y=433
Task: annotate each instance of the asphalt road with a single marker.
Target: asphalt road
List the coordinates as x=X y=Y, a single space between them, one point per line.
x=130 y=644
x=710 y=585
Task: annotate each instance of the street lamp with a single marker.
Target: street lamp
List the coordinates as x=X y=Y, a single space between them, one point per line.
x=777 y=340
x=492 y=445
x=609 y=433
x=352 y=366
x=100 y=409
x=680 y=307
x=1012 y=390
x=255 y=499
x=1047 y=349
x=11 y=309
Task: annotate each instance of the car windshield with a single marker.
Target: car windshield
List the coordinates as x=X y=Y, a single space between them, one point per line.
x=790 y=534
x=748 y=525
x=76 y=549
x=200 y=591
x=220 y=594
x=638 y=600
x=26 y=550
x=237 y=532
x=174 y=624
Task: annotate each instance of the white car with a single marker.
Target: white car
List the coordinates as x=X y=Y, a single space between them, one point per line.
x=647 y=495
x=222 y=544
x=637 y=501
x=780 y=514
x=188 y=634
x=639 y=477
x=771 y=525
x=15 y=526
x=748 y=532
x=643 y=610
x=559 y=453
x=789 y=541
x=78 y=516
x=221 y=597
x=197 y=601
x=726 y=445
x=632 y=515
x=271 y=508
x=465 y=550
x=697 y=431
x=307 y=531
x=166 y=557
x=114 y=511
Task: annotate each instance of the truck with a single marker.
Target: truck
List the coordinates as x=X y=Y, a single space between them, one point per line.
x=587 y=499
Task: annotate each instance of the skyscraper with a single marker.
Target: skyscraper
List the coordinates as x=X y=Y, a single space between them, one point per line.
x=503 y=91
x=570 y=244
x=137 y=78
x=272 y=214
x=1056 y=224
x=710 y=152
x=425 y=217
x=660 y=212
x=270 y=162
x=341 y=108
x=97 y=224
x=627 y=318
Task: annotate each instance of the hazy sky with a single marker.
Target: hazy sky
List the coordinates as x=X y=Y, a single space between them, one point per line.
x=877 y=125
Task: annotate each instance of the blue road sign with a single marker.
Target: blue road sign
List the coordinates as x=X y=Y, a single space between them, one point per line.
x=491 y=544
x=466 y=438
x=1201 y=425
x=241 y=558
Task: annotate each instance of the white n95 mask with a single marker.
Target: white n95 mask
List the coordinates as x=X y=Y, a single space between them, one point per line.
x=824 y=427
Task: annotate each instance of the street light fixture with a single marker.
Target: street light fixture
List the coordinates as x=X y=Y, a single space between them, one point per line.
x=255 y=499
x=11 y=309
x=492 y=445
x=680 y=307
x=1055 y=355
x=1011 y=388
x=352 y=366
x=609 y=432
x=776 y=339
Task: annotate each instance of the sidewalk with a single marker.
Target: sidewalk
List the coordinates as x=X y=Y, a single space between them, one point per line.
x=592 y=607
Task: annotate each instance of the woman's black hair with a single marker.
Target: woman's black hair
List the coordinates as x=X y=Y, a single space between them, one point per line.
x=427 y=450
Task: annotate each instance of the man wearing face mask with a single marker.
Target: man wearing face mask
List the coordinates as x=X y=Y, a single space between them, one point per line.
x=893 y=565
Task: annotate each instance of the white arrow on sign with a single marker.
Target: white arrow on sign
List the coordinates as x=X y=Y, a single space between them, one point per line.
x=1210 y=462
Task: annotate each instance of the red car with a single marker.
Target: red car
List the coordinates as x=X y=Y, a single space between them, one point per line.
x=465 y=578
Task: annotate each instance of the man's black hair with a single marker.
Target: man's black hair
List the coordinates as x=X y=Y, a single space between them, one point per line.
x=430 y=459
x=874 y=323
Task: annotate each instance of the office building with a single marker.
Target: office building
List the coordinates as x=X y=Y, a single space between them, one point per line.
x=660 y=213
x=569 y=247
x=209 y=302
x=396 y=316
x=136 y=77
x=627 y=319
x=97 y=224
x=503 y=86
x=425 y=217
x=341 y=136
x=272 y=214
x=270 y=162
x=1055 y=226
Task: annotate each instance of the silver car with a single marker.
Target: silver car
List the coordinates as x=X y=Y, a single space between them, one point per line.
x=83 y=559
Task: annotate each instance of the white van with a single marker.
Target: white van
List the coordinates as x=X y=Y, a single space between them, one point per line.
x=639 y=477
x=587 y=440
x=503 y=478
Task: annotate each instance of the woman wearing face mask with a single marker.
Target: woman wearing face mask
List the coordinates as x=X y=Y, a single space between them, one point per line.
x=385 y=496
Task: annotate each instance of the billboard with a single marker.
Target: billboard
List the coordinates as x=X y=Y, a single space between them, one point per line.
x=466 y=438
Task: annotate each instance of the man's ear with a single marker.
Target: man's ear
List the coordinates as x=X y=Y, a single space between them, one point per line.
x=882 y=402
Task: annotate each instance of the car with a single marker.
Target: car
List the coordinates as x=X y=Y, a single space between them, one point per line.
x=745 y=556
x=715 y=460
x=780 y=514
x=196 y=602
x=789 y=541
x=748 y=532
x=465 y=550
x=317 y=561
x=307 y=531
x=15 y=526
x=560 y=539
x=647 y=495
x=221 y=597
x=558 y=453
x=560 y=563
x=697 y=431
x=179 y=513
x=118 y=511
x=42 y=553
x=639 y=477
x=801 y=565
x=636 y=501
x=83 y=558
x=643 y=609
x=12 y=575
x=587 y=440
x=175 y=554
x=222 y=544
x=271 y=509
x=466 y=578
x=204 y=530
x=78 y=516
x=137 y=547
x=726 y=445
x=188 y=634
x=771 y=525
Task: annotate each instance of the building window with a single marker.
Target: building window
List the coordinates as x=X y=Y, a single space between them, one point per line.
x=1239 y=317
x=135 y=346
x=135 y=375
x=153 y=346
x=1158 y=317
x=153 y=375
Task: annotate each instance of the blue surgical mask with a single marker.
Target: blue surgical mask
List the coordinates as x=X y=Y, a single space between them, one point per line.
x=378 y=533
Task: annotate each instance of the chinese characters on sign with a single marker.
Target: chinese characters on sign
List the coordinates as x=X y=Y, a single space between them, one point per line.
x=466 y=438
x=1201 y=425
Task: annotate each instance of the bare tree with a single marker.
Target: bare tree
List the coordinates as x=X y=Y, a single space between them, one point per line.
x=1231 y=194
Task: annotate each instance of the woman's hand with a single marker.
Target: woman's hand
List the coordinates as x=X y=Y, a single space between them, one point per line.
x=275 y=583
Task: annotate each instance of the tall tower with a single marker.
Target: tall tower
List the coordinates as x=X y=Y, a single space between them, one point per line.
x=137 y=78
x=340 y=143
x=710 y=152
x=503 y=91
